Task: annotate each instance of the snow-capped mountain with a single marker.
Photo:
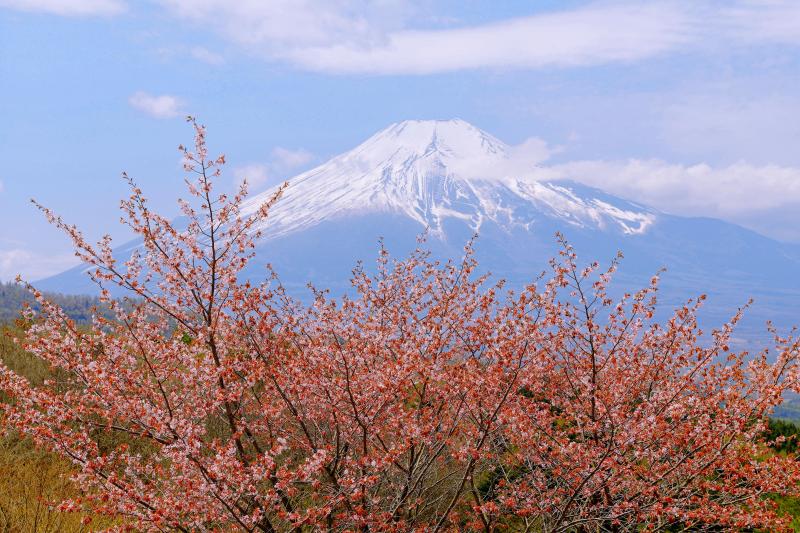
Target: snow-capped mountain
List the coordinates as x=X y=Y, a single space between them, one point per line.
x=432 y=171
x=454 y=180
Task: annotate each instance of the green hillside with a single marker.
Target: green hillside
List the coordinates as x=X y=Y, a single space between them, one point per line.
x=13 y=297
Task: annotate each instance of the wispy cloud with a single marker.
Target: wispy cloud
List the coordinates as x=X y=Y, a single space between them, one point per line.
x=158 y=106
x=282 y=162
x=285 y=24
x=521 y=161
x=356 y=36
x=360 y=36
x=287 y=159
x=68 y=7
x=256 y=174
x=32 y=266
x=587 y=36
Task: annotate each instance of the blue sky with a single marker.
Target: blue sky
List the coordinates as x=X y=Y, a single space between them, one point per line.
x=691 y=107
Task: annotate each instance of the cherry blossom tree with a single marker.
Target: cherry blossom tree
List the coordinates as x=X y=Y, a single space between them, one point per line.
x=429 y=399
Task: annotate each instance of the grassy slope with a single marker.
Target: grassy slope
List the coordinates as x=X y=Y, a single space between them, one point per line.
x=34 y=482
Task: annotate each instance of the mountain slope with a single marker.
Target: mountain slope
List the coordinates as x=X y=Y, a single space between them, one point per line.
x=454 y=180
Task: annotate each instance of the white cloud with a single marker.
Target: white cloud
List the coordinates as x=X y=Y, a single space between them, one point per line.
x=284 y=24
x=586 y=36
x=256 y=174
x=409 y=37
x=742 y=193
x=161 y=106
x=68 y=7
x=282 y=162
x=522 y=160
x=31 y=265
x=2 y=187
x=286 y=159
x=388 y=37
x=375 y=37
x=358 y=36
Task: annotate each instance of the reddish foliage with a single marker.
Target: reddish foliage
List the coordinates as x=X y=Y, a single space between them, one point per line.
x=431 y=400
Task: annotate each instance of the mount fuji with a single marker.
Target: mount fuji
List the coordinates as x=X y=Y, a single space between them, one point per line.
x=453 y=180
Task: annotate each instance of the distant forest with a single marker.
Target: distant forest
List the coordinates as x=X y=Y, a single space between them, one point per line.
x=13 y=298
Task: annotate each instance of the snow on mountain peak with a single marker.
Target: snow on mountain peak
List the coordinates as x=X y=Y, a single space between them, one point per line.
x=447 y=139
x=433 y=170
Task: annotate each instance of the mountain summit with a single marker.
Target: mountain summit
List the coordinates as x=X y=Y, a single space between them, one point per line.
x=434 y=170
